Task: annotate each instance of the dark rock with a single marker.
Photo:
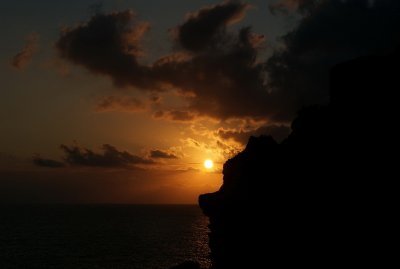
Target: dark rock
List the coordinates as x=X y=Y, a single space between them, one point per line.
x=316 y=199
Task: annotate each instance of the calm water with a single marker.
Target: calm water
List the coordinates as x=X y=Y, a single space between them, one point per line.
x=102 y=236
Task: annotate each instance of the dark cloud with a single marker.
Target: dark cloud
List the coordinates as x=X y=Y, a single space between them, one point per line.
x=22 y=59
x=160 y=154
x=223 y=82
x=218 y=71
x=108 y=44
x=278 y=132
x=203 y=29
x=37 y=160
x=110 y=157
x=120 y=103
x=222 y=78
x=330 y=32
x=286 y=6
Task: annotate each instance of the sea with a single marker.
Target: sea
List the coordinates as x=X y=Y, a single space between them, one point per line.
x=102 y=236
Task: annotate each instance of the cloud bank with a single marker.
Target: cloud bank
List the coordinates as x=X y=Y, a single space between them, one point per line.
x=37 y=160
x=218 y=71
x=211 y=70
x=330 y=32
x=160 y=154
x=109 y=157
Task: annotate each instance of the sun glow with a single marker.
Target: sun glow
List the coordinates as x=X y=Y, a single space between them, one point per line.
x=208 y=164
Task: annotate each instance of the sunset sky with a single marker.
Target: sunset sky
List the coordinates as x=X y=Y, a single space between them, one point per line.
x=122 y=101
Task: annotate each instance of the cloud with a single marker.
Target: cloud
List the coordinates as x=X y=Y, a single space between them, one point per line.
x=193 y=143
x=174 y=115
x=22 y=59
x=110 y=157
x=330 y=32
x=220 y=79
x=217 y=70
x=203 y=29
x=217 y=148
x=108 y=44
x=286 y=6
x=37 y=160
x=120 y=103
x=278 y=132
x=159 y=154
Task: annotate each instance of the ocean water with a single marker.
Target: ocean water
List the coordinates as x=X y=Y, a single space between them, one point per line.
x=102 y=236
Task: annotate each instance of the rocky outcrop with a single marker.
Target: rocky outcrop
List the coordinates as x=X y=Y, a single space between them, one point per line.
x=317 y=198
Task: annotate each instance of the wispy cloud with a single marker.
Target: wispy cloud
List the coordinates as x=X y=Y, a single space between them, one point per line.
x=22 y=59
x=160 y=154
x=39 y=161
x=119 y=103
x=278 y=132
x=108 y=157
x=175 y=115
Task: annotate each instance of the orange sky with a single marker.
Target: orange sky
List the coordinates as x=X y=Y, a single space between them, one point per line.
x=159 y=137
x=122 y=101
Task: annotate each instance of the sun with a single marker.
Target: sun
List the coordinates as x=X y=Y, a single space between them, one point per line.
x=208 y=164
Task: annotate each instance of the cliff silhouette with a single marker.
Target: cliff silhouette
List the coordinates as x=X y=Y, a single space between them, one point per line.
x=319 y=198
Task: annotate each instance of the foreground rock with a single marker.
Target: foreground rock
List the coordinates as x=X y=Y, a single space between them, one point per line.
x=320 y=198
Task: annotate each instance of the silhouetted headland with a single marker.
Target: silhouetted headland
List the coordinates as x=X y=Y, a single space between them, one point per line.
x=319 y=198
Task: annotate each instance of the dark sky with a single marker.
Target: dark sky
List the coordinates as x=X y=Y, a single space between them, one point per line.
x=122 y=101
